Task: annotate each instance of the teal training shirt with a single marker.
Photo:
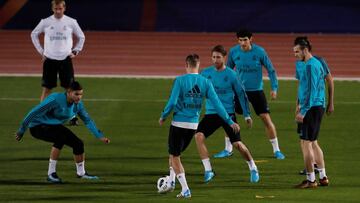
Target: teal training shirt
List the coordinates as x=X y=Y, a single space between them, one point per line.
x=248 y=65
x=226 y=83
x=311 y=88
x=187 y=95
x=55 y=110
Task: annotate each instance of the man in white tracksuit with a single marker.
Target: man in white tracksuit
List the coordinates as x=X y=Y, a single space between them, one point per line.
x=58 y=49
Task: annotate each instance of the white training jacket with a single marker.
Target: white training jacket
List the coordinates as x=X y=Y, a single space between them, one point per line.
x=58 y=40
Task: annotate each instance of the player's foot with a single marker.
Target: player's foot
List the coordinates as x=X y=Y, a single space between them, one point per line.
x=254 y=176
x=279 y=155
x=88 y=177
x=54 y=178
x=324 y=181
x=74 y=121
x=208 y=176
x=223 y=154
x=306 y=184
x=186 y=194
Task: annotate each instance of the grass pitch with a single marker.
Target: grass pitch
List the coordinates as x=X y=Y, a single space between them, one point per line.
x=127 y=110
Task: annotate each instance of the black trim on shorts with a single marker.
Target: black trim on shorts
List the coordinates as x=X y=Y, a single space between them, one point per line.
x=51 y=69
x=310 y=128
x=211 y=122
x=257 y=100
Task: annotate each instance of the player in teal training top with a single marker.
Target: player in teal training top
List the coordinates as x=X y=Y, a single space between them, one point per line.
x=226 y=84
x=248 y=59
x=185 y=101
x=46 y=123
x=309 y=110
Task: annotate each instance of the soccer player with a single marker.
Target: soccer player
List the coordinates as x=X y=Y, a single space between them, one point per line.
x=186 y=99
x=309 y=110
x=225 y=84
x=330 y=104
x=248 y=59
x=46 y=123
x=58 y=50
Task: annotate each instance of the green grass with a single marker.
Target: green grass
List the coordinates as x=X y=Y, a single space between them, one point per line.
x=137 y=156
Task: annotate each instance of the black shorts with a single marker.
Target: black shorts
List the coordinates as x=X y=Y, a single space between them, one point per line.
x=211 y=122
x=257 y=100
x=51 y=68
x=59 y=135
x=310 y=128
x=179 y=139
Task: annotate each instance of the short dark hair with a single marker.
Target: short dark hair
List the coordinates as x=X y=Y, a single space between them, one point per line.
x=75 y=85
x=192 y=60
x=243 y=33
x=303 y=42
x=220 y=49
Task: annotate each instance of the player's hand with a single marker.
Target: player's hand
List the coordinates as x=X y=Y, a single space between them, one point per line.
x=329 y=108
x=161 y=121
x=249 y=122
x=273 y=95
x=297 y=110
x=299 y=118
x=235 y=127
x=73 y=54
x=105 y=140
x=43 y=58
x=18 y=136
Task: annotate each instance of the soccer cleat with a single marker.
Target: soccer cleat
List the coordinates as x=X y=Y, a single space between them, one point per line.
x=208 y=176
x=324 y=181
x=254 y=176
x=88 y=177
x=74 y=122
x=223 y=154
x=279 y=155
x=186 y=194
x=306 y=184
x=54 y=178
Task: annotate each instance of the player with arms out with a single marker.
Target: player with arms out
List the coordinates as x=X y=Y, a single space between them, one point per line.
x=46 y=123
x=186 y=100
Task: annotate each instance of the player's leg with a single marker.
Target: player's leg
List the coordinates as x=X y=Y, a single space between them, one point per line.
x=241 y=147
x=49 y=77
x=66 y=76
x=259 y=102
x=207 y=126
x=48 y=133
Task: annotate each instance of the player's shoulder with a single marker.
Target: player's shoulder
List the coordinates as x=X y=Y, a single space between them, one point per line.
x=207 y=70
x=235 y=48
x=257 y=48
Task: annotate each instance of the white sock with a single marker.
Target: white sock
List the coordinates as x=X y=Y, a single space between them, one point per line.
x=80 y=168
x=52 y=166
x=322 y=173
x=172 y=174
x=207 y=164
x=275 y=144
x=251 y=164
x=310 y=176
x=228 y=145
x=181 y=178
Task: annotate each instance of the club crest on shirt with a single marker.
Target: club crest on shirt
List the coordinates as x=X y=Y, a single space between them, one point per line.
x=254 y=58
x=226 y=78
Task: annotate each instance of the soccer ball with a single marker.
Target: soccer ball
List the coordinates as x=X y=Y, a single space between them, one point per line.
x=162 y=185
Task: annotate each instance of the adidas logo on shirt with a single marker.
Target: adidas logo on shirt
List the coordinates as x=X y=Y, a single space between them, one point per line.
x=194 y=92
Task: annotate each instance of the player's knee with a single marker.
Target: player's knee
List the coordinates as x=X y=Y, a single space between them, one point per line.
x=199 y=137
x=58 y=145
x=78 y=147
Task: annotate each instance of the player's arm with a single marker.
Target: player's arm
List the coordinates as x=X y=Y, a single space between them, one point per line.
x=90 y=124
x=307 y=91
x=266 y=62
x=211 y=94
x=230 y=61
x=330 y=84
x=41 y=109
x=35 y=37
x=175 y=92
x=81 y=38
x=243 y=99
